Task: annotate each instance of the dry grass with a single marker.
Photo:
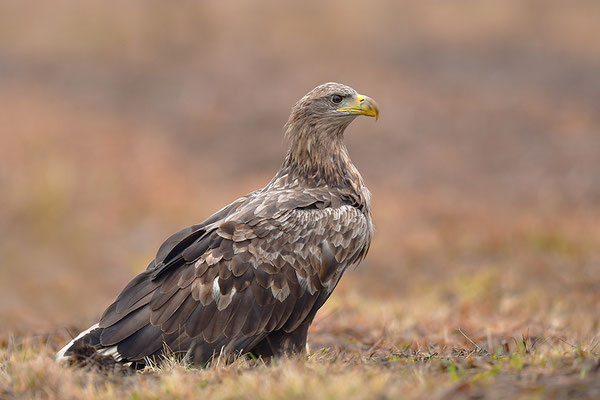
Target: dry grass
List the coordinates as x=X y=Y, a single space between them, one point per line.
x=348 y=362
x=120 y=126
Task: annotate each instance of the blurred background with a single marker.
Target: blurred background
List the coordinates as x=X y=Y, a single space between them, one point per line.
x=122 y=122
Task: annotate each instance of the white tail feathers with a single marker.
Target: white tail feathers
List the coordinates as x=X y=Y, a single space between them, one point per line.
x=60 y=356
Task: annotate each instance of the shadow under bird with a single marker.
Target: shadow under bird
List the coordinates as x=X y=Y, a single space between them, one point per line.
x=251 y=277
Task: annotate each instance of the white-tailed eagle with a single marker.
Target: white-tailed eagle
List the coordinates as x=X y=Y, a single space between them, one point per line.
x=251 y=277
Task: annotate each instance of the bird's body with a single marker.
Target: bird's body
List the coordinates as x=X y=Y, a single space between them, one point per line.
x=251 y=277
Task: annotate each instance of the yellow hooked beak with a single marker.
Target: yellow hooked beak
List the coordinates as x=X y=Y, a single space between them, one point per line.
x=362 y=105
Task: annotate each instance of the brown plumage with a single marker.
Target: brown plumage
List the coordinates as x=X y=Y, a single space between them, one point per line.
x=251 y=277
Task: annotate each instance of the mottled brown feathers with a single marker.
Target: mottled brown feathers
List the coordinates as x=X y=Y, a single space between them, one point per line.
x=252 y=276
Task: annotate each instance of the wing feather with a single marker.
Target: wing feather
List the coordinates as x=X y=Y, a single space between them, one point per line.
x=112 y=316
x=238 y=318
x=257 y=268
x=159 y=298
x=214 y=329
x=200 y=318
x=179 y=318
x=301 y=308
x=125 y=327
x=253 y=320
x=137 y=289
x=142 y=343
x=162 y=314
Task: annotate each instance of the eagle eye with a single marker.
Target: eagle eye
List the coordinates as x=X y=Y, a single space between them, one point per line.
x=336 y=99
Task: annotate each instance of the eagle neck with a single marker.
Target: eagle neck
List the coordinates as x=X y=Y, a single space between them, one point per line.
x=318 y=157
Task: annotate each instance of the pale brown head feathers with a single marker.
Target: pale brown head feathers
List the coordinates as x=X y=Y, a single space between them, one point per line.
x=315 y=129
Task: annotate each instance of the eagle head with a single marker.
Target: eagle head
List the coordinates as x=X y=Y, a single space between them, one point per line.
x=334 y=104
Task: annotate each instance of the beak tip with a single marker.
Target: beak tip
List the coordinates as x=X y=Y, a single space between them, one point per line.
x=373 y=108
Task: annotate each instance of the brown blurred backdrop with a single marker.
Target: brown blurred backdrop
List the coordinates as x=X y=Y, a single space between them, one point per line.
x=122 y=122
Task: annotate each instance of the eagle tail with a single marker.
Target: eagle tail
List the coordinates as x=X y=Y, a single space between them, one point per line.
x=84 y=342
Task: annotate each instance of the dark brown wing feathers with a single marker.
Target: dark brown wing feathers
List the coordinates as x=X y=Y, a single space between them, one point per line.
x=261 y=267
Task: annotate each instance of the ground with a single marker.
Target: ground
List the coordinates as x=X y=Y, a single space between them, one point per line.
x=525 y=326
x=357 y=350
x=120 y=127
